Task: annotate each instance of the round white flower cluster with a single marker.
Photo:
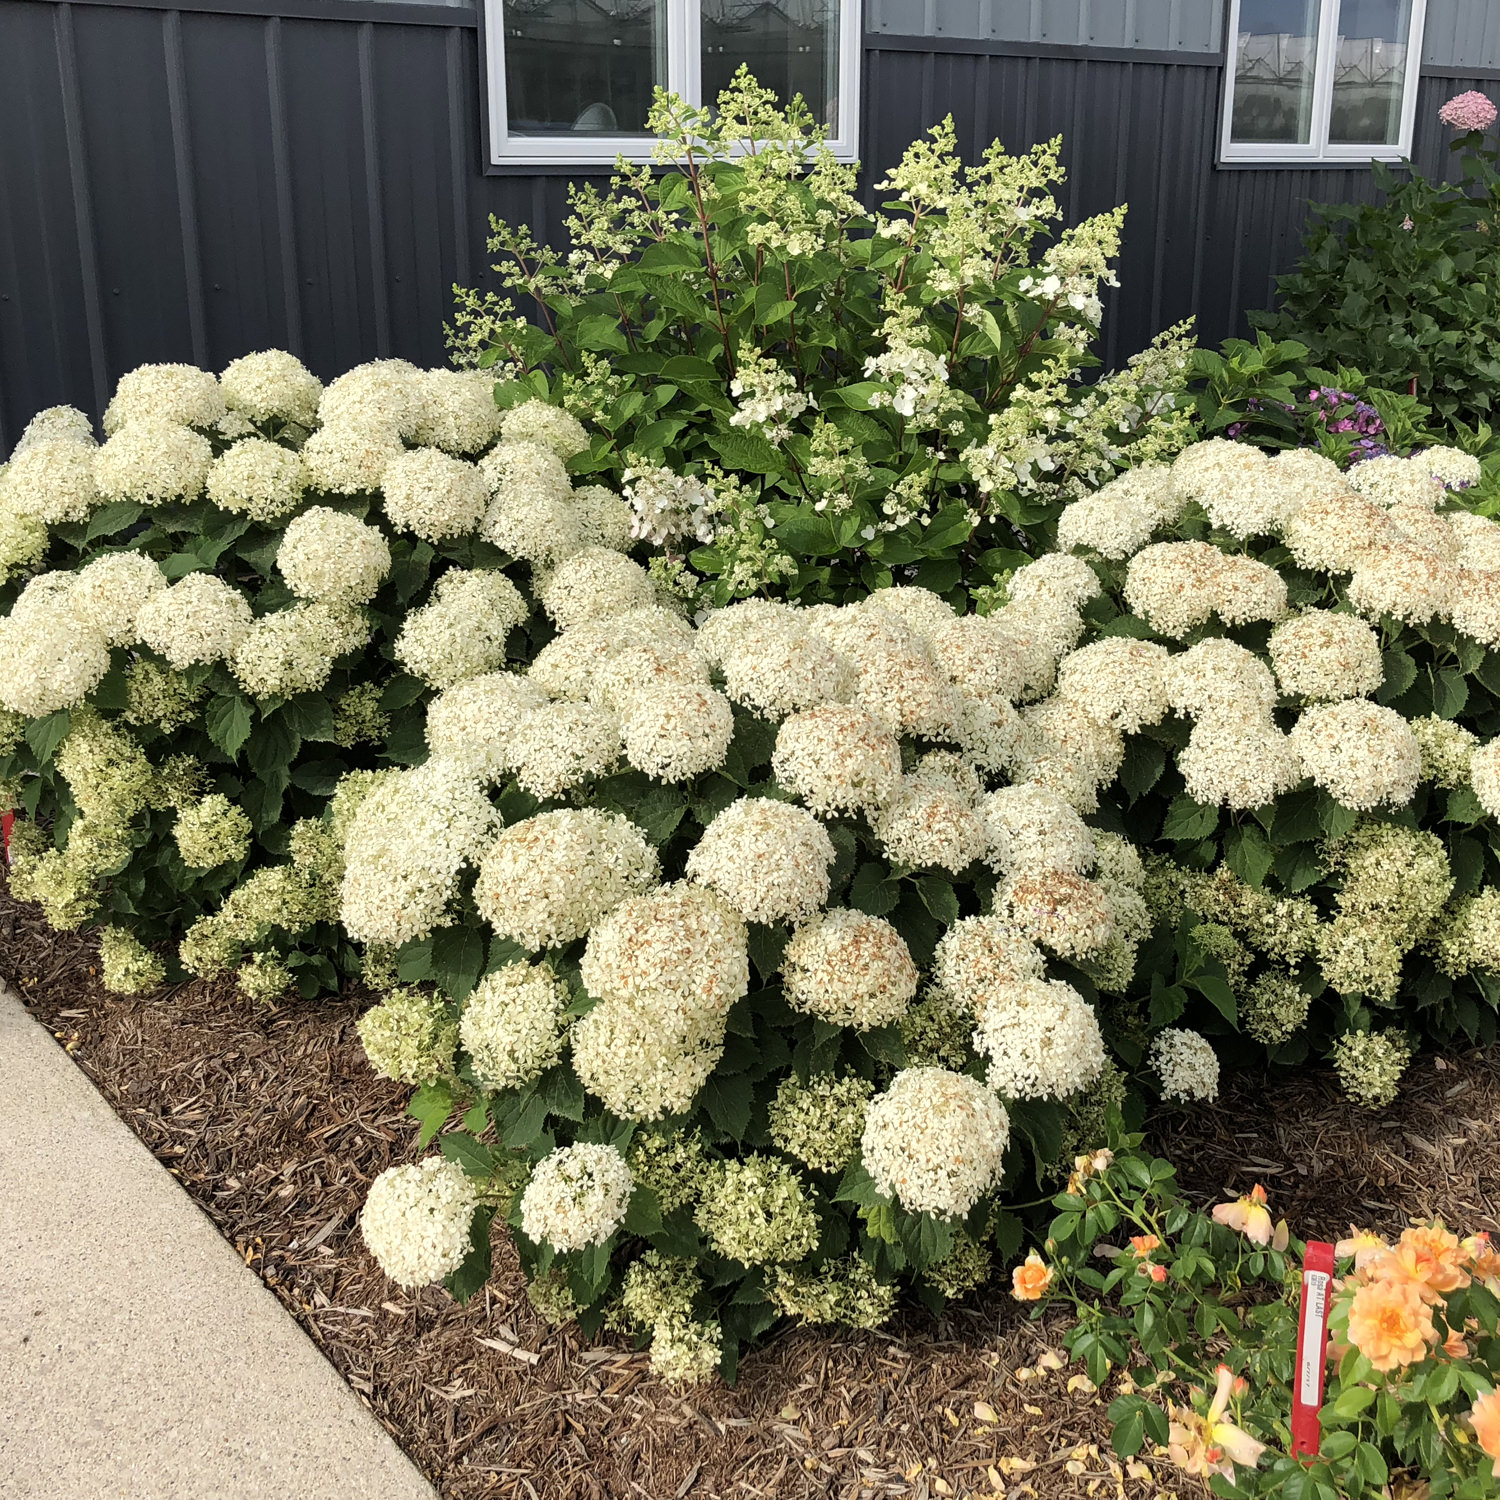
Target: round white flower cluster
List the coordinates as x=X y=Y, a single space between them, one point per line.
x=757 y=1211
x=1451 y=467
x=182 y=395
x=1322 y=656
x=677 y=731
x=211 y=832
x=850 y=969
x=51 y=481
x=1187 y=1065
x=769 y=860
x=47 y=660
x=931 y=821
x=531 y=511
x=819 y=1122
x=1176 y=586
x=257 y=478
x=460 y=632
x=432 y=494
x=152 y=461
x=837 y=758
x=542 y=423
x=1391 y=481
x=475 y=721
x=272 y=386
x=547 y=880
x=1117 y=681
x=1119 y=519
x=52 y=423
x=935 y=1141
x=351 y=457
x=1068 y=913
x=416 y=1220
x=1030 y=828
x=577 y=1197
x=1041 y=1039
x=595 y=584
x=564 y=745
x=331 y=558
x=383 y=391
x=1484 y=776
x=108 y=593
x=455 y=411
x=293 y=650
x=200 y=618
x=1362 y=754
x=512 y=1025
x=979 y=955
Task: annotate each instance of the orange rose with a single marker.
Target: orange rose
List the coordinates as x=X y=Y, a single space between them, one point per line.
x=1485 y=1419
x=1484 y=1260
x=1390 y=1324
x=1144 y=1244
x=1248 y=1215
x=1031 y=1279
x=1363 y=1244
x=1427 y=1256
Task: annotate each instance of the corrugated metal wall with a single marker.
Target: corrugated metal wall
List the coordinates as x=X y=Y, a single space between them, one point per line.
x=191 y=184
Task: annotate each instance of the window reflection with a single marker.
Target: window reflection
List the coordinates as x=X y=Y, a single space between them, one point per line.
x=791 y=46
x=582 y=67
x=1369 y=73
x=1276 y=60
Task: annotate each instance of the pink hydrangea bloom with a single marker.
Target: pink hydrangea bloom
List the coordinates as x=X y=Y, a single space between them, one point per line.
x=1471 y=111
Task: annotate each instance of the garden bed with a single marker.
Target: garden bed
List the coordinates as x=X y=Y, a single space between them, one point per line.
x=273 y=1121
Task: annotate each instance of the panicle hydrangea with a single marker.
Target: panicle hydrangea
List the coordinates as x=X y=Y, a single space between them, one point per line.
x=475 y=721
x=1369 y=1065
x=594 y=584
x=257 y=478
x=108 y=593
x=512 y=1025
x=272 y=386
x=407 y=843
x=1040 y=1038
x=850 y=969
x=837 y=758
x=550 y=426
x=563 y=745
x=153 y=462
x=819 y=1122
x=410 y=1037
x=980 y=955
x=460 y=632
x=1323 y=656
x=1362 y=754
x=212 y=832
x=1031 y=828
x=1239 y=761
x=667 y=507
x=1484 y=776
x=126 y=965
x=846 y=1292
x=349 y=456
x=757 y=1211
x=198 y=619
x=52 y=482
x=935 y=1140
x=766 y=395
x=180 y=394
x=676 y=731
x=1062 y=911
x=455 y=411
x=1118 y=681
x=1274 y=1007
x=331 y=558
x=1187 y=1065
x=928 y=823
x=1447 y=750
x=416 y=1220
x=293 y=650
x=577 y=1196
x=546 y=880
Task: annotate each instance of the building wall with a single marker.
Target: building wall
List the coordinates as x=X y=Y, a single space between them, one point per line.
x=190 y=184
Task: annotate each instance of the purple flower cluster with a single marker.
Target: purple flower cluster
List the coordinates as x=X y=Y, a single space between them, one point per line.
x=1357 y=416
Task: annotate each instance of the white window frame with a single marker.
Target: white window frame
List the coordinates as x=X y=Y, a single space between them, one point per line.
x=1319 y=151
x=684 y=76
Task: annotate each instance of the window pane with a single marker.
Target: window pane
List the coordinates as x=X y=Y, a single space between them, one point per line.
x=1276 y=55
x=1369 y=74
x=791 y=46
x=582 y=67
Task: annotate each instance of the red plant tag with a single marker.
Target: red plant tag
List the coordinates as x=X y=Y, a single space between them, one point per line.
x=1312 y=1347
x=7 y=822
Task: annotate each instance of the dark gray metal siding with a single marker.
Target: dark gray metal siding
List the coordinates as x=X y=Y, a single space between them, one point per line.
x=192 y=184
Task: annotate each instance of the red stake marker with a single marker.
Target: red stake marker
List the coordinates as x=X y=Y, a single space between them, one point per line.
x=7 y=822
x=1312 y=1348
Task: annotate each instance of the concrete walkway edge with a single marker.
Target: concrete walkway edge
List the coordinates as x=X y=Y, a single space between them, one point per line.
x=139 y=1358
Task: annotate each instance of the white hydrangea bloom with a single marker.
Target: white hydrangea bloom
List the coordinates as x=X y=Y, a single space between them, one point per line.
x=837 y=758
x=923 y=611
x=152 y=461
x=350 y=457
x=781 y=670
x=1054 y=579
x=550 y=426
x=720 y=630
x=433 y=495
x=48 y=661
x=293 y=650
x=272 y=386
x=1041 y=1039
x=531 y=512
x=1219 y=676
x=1069 y=752
x=1240 y=489
x=1323 y=656
x=629 y=668
x=51 y=481
x=108 y=593
x=23 y=541
x=1389 y=481
x=567 y=666
x=211 y=832
x=546 y=880
x=331 y=558
x=905 y=689
x=1117 y=681
x=1116 y=522
x=53 y=423
x=512 y=1025
x=978 y=955
x=1031 y=828
x=1174 y=586
x=180 y=394
x=603 y=518
x=1475 y=605
x=1249 y=591
x=1484 y=777
x=982 y=658
x=475 y=720
x=200 y=618
x=577 y=1197
x=1362 y=754
x=408 y=841
x=925 y=823
x=769 y=860
x=1425 y=528
x=385 y=393
x=1410 y=582
x=563 y=745
x=849 y=969
x=257 y=478
x=992 y=734
x=935 y=1140
x=416 y=1220
x=460 y=632
x=1331 y=532
x=1187 y=1065
x=677 y=731
x=1238 y=761
x=642 y=1066
x=595 y=584
x=456 y=411
x=1451 y=467
x=1069 y=914
x=1478 y=540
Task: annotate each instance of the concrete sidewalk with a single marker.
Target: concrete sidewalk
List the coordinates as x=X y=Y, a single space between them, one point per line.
x=139 y=1359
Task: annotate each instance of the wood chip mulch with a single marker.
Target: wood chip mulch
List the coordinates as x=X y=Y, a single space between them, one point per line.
x=273 y=1122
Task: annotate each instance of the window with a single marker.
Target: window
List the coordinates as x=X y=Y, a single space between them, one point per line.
x=1331 y=82
x=570 y=81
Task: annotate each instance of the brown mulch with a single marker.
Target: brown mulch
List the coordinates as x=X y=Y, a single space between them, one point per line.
x=271 y=1119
